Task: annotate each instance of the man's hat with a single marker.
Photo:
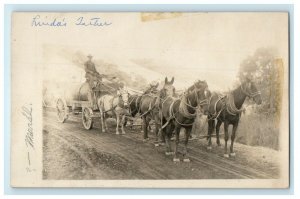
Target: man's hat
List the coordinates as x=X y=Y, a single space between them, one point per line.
x=89 y=56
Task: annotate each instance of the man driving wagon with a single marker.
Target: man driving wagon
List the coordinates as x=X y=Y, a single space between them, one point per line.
x=93 y=77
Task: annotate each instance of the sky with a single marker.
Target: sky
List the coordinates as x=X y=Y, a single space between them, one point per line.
x=188 y=46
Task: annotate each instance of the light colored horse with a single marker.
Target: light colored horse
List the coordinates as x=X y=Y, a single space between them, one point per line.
x=114 y=106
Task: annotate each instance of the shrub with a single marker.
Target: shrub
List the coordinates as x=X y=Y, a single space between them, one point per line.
x=254 y=130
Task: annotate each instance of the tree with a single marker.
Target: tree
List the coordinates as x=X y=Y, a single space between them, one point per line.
x=266 y=69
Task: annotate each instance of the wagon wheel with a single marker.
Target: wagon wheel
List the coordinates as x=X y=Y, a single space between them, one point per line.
x=87 y=119
x=61 y=108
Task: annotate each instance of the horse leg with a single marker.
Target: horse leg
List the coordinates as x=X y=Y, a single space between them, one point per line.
x=105 y=126
x=211 y=126
x=142 y=127
x=185 y=152
x=150 y=128
x=168 y=139
x=226 y=138
x=118 y=121
x=162 y=137
x=161 y=131
x=234 y=128
x=143 y=124
x=218 y=131
x=177 y=132
x=145 y=127
x=122 y=121
x=157 y=129
x=102 y=120
x=131 y=124
x=125 y=122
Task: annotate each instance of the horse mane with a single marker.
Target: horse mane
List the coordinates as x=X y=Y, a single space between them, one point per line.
x=183 y=108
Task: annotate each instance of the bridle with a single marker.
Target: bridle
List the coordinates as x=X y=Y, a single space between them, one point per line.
x=123 y=102
x=249 y=94
x=199 y=102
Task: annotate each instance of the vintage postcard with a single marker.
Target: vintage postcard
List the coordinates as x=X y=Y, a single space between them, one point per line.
x=150 y=100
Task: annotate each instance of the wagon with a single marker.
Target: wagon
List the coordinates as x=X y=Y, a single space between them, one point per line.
x=78 y=100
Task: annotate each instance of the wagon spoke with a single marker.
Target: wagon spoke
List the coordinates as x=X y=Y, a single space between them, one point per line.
x=87 y=119
x=61 y=110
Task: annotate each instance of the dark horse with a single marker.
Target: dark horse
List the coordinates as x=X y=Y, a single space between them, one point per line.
x=134 y=101
x=228 y=110
x=178 y=113
x=149 y=106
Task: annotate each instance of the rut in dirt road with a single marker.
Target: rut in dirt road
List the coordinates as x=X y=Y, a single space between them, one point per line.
x=110 y=156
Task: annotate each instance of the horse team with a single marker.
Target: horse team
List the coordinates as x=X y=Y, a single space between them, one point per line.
x=170 y=112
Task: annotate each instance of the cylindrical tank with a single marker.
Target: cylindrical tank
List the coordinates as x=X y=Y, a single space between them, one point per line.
x=78 y=92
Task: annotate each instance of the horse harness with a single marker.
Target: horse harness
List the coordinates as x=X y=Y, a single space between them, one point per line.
x=221 y=98
x=151 y=107
x=111 y=101
x=136 y=104
x=183 y=109
x=229 y=104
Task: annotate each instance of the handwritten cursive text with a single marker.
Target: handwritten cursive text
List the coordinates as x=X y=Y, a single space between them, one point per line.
x=95 y=21
x=38 y=21
x=29 y=138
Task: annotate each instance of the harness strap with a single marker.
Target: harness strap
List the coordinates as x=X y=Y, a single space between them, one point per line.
x=216 y=113
x=231 y=108
x=248 y=93
x=149 y=109
x=172 y=115
x=112 y=105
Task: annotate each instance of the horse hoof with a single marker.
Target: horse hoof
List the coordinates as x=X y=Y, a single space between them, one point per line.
x=117 y=133
x=156 y=145
x=232 y=154
x=123 y=133
x=176 y=160
x=169 y=153
x=209 y=148
x=226 y=155
x=186 y=160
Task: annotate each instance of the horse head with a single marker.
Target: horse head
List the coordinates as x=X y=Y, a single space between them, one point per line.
x=249 y=88
x=124 y=97
x=153 y=87
x=201 y=93
x=168 y=89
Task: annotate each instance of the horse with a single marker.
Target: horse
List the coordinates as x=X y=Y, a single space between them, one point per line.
x=114 y=105
x=133 y=107
x=228 y=109
x=181 y=113
x=149 y=106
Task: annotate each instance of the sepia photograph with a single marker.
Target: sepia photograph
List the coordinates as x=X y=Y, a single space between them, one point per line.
x=150 y=100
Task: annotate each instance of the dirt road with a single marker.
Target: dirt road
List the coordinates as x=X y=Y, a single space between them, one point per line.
x=71 y=152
